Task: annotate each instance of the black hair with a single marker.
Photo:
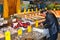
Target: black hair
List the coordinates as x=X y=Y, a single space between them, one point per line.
x=43 y=11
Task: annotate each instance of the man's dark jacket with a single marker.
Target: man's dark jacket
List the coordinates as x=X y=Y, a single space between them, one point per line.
x=51 y=23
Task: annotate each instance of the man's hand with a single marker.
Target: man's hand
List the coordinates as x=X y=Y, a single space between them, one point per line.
x=41 y=24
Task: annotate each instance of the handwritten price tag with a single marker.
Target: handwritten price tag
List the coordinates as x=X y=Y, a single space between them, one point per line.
x=32 y=10
x=28 y=10
x=19 y=32
x=24 y=10
x=29 y=29
x=36 y=9
x=7 y=35
x=36 y=23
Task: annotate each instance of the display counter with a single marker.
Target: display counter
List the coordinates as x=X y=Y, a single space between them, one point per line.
x=36 y=34
x=22 y=21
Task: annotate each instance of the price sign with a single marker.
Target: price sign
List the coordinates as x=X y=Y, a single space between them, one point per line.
x=7 y=35
x=19 y=32
x=24 y=10
x=36 y=9
x=29 y=29
x=36 y=23
x=32 y=10
x=28 y=10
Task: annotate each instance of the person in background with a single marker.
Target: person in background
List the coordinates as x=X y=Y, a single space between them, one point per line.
x=38 y=5
x=42 y=5
x=50 y=23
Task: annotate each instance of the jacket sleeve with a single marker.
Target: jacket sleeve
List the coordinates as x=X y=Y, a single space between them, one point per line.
x=46 y=24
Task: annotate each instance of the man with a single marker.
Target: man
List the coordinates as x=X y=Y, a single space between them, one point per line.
x=50 y=23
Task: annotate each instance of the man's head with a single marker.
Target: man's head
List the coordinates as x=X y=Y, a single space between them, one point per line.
x=43 y=13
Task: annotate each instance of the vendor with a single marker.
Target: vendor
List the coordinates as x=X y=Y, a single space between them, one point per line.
x=50 y=23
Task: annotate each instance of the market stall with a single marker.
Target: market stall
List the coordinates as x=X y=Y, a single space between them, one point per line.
x=18 y=25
